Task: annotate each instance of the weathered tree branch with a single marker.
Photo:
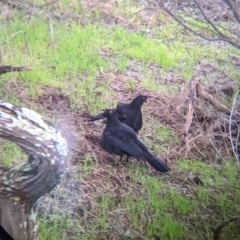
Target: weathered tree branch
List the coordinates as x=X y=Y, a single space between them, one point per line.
x=221 y=107
x=23 y=186
x=6 y=69
x=234 y=9
x=189 y=115
x=218 y=229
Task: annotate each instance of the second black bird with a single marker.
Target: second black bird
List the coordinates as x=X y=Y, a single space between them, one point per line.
x=120 y=139
x=128 y=113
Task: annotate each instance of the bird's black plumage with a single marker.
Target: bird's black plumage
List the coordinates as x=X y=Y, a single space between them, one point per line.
x=128 y=113
x=4 y=235
x=121 y=139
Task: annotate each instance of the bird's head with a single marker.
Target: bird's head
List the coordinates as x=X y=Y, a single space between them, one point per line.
x=140 y=99
x=108 y=113
x=144 y=97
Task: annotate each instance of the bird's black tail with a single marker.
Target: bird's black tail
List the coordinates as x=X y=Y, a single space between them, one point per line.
x=155 y=162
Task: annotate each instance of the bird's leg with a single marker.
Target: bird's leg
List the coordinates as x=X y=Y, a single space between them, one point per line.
x=127 y=158
x=140 y=161
x=121 y=158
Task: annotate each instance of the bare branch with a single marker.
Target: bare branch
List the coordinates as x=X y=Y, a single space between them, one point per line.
x=189 y=115
x=218 y=32
x=221 y=107
x=234 y=9
x=221 y=36
x=184 y=25
x=208 y=20
x=218 y=229
x=6 y=69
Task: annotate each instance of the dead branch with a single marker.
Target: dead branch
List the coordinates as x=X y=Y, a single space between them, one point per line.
x=218 y=229
x=189 y=115
x=232 y=5
x=180 y=21
x=13 y=5
x=219 y=32
x=30 y=8
x=6 y=69
x=23 y=186
x=227 y=87
x=234 y=127
x=221 y=107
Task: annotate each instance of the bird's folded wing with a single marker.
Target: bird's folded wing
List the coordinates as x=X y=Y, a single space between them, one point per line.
x=128 y=147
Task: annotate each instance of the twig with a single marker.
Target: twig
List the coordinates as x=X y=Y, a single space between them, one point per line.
x=6 y=69
x=52 y=34
x=218 y=229
x=217 y=150
x=28 y=7
x=189 y=115
x=201 y=92
x=204 y=156
x=47 y=3
x=208 y=20
x=231 y=121
x=218 y=32
x=234 y=9
x=222 y=37
x=13 y=5
x=185 y=26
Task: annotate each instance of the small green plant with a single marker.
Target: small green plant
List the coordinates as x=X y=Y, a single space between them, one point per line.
x=182 y=204
x=55 y=226
x=171 y=228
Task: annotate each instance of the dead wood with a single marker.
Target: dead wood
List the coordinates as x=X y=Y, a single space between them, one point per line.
x=206 y=96
x=218 y=229
x=199 y=12
x=190 y=110
x=6 y=69
x=22 y=186
x=225 y=87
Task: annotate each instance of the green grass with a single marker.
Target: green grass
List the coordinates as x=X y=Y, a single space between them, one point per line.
x=57 y=226
x=71 y=58
x=11 y=154
x=156 y=207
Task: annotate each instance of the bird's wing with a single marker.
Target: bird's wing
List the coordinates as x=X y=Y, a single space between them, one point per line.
x=126 y=140
x=129 y=148
x=122 y=105
x=122 y=111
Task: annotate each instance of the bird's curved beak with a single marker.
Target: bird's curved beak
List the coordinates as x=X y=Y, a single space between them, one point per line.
x=147 y=96
x=106 y=109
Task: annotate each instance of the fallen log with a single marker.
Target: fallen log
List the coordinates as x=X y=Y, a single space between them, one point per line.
x=22 y=186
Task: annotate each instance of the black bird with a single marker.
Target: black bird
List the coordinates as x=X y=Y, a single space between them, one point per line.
x=128 y=113
x=4 y=235
x=120 y=139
